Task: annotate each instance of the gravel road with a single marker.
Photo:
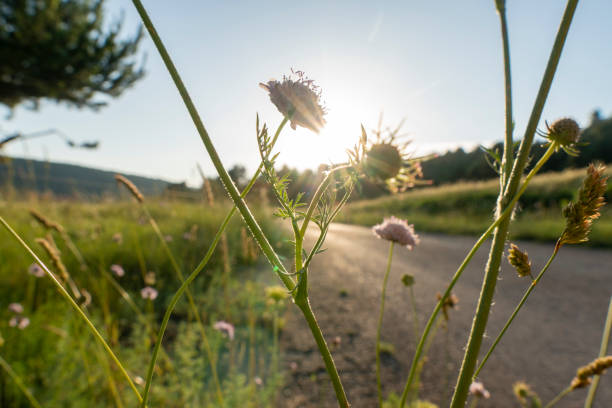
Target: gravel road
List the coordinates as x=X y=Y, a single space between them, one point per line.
x=558 y=330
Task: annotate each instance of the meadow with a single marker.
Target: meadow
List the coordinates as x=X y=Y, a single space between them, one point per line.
x=466 y=208
x=50 y=351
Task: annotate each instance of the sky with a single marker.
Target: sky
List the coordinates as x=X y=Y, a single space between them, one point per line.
x=435 y=64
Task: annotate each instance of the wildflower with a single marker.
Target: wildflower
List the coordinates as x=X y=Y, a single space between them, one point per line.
x=383 y=161
x=225 y=328
x=565 y=133
x=449 y=303
x=130 y=186
x=524 y=394
x=337 y=341
x=258 y=381
x=298 y=100
x=117 y=238
x=596 y=367
x=117 y=270
x=148 y=293
x=168 y=238
x=477 y=389
x=139 y=380
x=150 y=278
x=519 y=260
x=36 y=270
x=293 y=366
x=579 y=215
x=396 y=230
x=16 y=308
x=276 y=293
x=20 y=322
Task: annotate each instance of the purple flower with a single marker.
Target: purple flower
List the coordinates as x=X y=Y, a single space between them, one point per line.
x=20 y=322
x=118 y=270
x=36 y=270
x=478 y=390
x=16 y=308
x=226 y=328
x=396 y=230
x=148 y=293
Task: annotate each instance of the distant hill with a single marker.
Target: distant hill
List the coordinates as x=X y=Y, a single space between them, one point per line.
x=68 y=180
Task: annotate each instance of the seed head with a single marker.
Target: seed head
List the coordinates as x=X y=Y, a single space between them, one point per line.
x=579 y=214
x=525 y=394
x=519 y=260
x=54 y=254
x=45 y=222
x=596 y=367
x=298 y=100
x=564 y=131
x=396 y=230
x=383 y=161
x=130 y=186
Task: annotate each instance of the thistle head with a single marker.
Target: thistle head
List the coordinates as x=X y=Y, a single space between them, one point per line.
x=519 y=260
x=299 y=100
x=565 y=133
x=398 y=231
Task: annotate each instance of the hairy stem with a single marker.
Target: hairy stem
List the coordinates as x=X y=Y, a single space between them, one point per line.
x=497 y=247
x=379 y=327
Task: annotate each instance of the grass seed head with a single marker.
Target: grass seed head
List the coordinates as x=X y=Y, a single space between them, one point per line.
x=525 y=395
x=54 y=254
x=46 y=222
x=519 y=260
x=585 y=373
x=130 y=186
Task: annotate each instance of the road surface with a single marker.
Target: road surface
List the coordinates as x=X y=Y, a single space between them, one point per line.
x=558 y=330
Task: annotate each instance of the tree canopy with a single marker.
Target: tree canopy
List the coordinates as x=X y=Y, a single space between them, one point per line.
x=62 y=50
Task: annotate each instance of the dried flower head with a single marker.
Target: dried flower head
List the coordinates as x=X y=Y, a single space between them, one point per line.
x=383 y=161
x=396 y=230
x=520 y=261
x=526 y=395
x=15 y=308
x=276 y=293
x=225 y=328
x=148 y=293
x=596 y=367
x=565 y=132
x=579 y=214
x=36 y=270
x=46 y=222
x=130 y=186
x=449 y=303
x=477 y=389
x=117 y=270
x=298 y=100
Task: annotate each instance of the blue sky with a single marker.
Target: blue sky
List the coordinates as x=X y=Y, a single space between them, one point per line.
x=435 y=63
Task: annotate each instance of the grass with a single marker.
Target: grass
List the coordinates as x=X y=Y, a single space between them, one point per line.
x=466 y=208
x=62 y=365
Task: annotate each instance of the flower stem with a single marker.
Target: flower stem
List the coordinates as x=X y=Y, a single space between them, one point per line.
x=74 y=305
x=497 y=247
x=603 y=350
x=379 y=327
x=504 y=216
x=508 y=144
x=19 y=383
x=516 y=310
x=559 y=397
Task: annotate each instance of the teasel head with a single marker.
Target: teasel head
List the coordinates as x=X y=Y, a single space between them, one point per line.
x=385 y=160
x=564 y=133
x=46 y=222
x=519 y=260
x=298 y=99
x=585 y=373
x=130 y=186
x=526 y=396
x=579 y=214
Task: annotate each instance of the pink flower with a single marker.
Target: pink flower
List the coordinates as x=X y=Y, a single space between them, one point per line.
x=396 y=230
x=36 y=270
x=148 y=293
x=16 y=308
x=118 y=270
x=478 y=390
x=226 y=328
x=20 y=322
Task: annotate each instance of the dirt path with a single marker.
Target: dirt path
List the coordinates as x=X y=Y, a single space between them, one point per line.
x=558 y=330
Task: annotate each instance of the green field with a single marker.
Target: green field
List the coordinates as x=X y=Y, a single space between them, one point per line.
x=61 y=363
x=467 y=208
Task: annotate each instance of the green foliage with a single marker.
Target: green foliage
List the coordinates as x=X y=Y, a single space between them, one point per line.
x=60 y=50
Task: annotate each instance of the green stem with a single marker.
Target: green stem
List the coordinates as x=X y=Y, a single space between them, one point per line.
x=516 y=310
x=74 y=305
x=324 y=350
x=379 y=327
x=414 y=314
x=603 y=350
x=508 y=144
x=497 y=247
x=19 y=383
x=559 y=397
x=504 y=216
x=185 y=284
